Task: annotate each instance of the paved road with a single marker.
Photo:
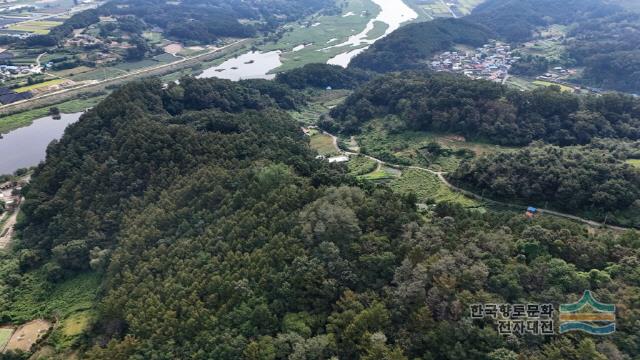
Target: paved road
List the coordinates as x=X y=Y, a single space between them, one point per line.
x=61 y=95
x=443 y=179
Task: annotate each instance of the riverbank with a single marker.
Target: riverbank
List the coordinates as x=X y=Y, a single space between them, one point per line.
x=26 y=147
x=26 y=118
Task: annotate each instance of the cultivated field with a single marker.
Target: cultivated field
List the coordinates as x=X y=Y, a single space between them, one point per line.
x=428 y=188
x=39 y=27
x=5 y=335
x=323 y=144
x=27 y=335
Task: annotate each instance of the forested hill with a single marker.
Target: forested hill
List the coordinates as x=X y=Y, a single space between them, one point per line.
x=140 y=141
x=573 y=180
x=191 y=21
x=485 y=110
x=516 y=20
x=218 y=235
x=413 y=45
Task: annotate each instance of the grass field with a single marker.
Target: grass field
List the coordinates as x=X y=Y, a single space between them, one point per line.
x=321 y=101
x=323 y=144
x=439 y=8
x=22 y=119
x=72 y=72
x=5 y=335
x=153 y=37
x=38 y=27
x=39 y=85
x=378 y=30
x=36 y=299
x=385 y=173
x=428 y=188
x=360 y=165
x=404 y=147
x=548 y=83
x=76 y=323
x=634 y=162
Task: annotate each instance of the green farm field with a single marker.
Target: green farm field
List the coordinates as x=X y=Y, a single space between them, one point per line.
x=323 y=144
x=5 y=335
x=428 y=188
x=404 y=147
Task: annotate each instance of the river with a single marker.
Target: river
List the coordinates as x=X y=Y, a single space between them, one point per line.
x=257 y=65
x=392 y=12
x=251 y=65
x=26 y=146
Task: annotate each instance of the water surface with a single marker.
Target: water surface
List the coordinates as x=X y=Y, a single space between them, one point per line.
x=25 y=147
x=251 y=65
x=392 y=13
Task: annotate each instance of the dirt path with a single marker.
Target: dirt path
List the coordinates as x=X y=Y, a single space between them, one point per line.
x=39 y=57
x=467 y=193
x=7 y=230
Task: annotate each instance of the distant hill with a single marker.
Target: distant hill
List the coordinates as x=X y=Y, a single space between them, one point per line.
x=409 y=46
x=516 y=20
x=487 y=111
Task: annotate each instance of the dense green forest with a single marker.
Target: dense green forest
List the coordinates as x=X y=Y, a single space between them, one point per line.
x=517 y=20
x=570 y=179
x=194 y=21
x=322 y=76
x=413 y=45
x=486 y=111
x=609 y=48
x=215 y=233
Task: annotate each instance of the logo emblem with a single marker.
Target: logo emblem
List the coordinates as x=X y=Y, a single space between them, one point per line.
x=588 y=315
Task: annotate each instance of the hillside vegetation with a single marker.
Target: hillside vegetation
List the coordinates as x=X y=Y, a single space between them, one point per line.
x=573 y=180
x=413 y=45
x=485 y=110
x=215 y=233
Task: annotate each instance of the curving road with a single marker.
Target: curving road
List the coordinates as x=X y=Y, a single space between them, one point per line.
x=473 y=195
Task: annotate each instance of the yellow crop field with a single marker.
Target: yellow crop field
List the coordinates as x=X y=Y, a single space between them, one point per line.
x=39 y=27
x=39 y=85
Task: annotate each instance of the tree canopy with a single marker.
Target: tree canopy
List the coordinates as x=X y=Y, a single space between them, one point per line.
x=485 y=110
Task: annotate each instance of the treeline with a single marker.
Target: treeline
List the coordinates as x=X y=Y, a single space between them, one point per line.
x=412 y=46
x=322 y=76
x=484 y=110
x=609 y=49
x=571 y=179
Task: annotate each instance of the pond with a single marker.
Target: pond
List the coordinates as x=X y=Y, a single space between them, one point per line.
x=251 y=65
x=25 y=147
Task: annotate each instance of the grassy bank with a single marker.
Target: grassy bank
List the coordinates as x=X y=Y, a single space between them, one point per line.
x=26 y=118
